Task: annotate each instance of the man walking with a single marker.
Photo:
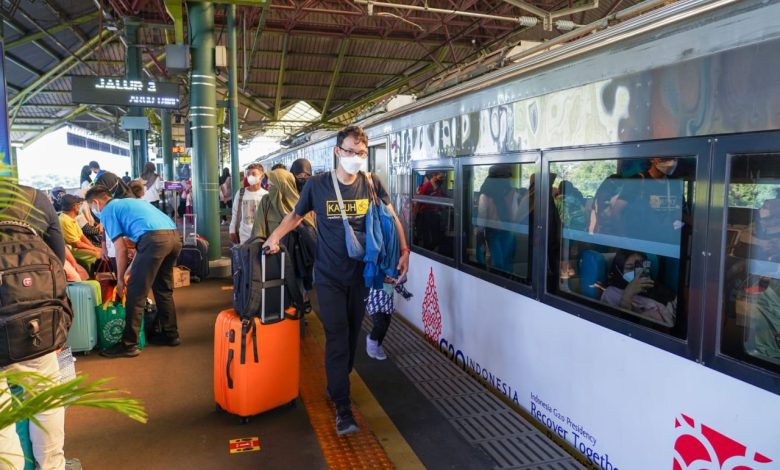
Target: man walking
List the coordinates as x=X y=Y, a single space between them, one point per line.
x=157 y=247
x=340 y=285
x=245 y=204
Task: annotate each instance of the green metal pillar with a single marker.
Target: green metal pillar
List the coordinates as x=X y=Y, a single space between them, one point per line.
x=167 y=143
x=203 y=112
x=134 y=71
x=14 y=163
x=235 y=166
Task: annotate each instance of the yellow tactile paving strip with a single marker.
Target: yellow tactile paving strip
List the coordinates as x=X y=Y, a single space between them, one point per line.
x=356 y=451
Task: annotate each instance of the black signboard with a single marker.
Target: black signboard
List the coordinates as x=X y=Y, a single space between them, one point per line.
x=120 y=91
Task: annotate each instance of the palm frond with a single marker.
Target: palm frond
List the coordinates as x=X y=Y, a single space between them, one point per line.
x=43 y=393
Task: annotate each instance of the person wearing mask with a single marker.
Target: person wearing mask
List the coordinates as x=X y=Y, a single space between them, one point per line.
x=153 y=184
x=301 y=169
x=83 y=250
x=56 y=195
x=631 y=287
x=340 y=285
x=85 y=180
x=245 y=205
x=48 y=435
x=157 y=248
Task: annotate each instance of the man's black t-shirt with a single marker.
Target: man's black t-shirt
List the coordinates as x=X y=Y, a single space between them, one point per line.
x=318 y=195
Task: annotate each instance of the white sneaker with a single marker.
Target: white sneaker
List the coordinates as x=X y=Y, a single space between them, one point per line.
x=374 y=350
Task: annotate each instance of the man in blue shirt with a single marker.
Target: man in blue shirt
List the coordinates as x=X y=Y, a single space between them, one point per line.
x=157 y=248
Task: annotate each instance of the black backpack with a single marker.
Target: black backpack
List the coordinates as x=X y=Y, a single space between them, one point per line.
x=35 y=314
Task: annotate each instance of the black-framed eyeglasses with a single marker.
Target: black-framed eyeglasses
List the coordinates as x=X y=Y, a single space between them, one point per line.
x=350 y=153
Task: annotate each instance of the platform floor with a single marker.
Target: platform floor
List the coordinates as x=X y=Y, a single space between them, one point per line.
x=409 y=412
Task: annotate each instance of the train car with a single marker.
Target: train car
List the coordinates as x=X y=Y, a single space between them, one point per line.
x=631 y=306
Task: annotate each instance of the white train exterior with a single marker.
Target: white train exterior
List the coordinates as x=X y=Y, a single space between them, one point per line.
x=695 y=78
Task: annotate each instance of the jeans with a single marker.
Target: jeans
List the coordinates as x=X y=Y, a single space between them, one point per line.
x=152 y=268
x=47 y=444
x=342 y=306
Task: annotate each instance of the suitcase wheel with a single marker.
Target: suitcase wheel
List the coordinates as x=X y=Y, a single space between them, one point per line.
x=218 y=408
x=293 y=402
x=245 y=420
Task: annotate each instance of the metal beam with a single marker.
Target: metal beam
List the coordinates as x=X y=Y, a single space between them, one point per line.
x=306 y=85
x=260 y=26
x=59 y=70
x=64 y=17
x=388 y=89
x=335 y=77
x=52 y=37
x=280 y=80
x=24 y=32
x=71 y=115
x=28 y=38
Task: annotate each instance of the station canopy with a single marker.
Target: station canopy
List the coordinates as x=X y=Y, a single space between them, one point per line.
x=302 y=64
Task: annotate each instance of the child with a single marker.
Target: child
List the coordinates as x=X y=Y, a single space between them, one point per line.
x=380 y=306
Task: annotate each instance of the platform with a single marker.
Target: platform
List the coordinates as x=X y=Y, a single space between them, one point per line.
x=415 y=410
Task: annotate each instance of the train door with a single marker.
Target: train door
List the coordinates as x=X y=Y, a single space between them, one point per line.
x=377 y=159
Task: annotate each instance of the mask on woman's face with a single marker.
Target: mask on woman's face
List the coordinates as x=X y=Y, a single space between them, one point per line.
x=352 y=164
x=628 y=276
x=666 y=167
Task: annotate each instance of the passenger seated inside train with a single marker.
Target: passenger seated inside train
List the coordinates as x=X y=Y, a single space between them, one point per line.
x=631 y=287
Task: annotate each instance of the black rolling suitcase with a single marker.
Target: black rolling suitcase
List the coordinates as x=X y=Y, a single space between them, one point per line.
x=262 y=282
x=194 y=251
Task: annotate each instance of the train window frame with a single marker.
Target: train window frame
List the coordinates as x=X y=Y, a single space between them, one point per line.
x=531 y=158
x=446 y=164
x=697 y=148
x=725 y=149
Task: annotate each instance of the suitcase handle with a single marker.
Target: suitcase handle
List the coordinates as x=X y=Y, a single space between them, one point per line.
x=227 y=369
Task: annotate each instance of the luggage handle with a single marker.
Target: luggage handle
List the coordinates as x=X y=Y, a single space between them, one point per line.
x=227 y=369
x=281 y=283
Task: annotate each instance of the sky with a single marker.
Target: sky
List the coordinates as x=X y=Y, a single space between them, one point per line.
x=52 y=162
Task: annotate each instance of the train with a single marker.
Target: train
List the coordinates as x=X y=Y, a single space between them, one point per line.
x=632 y=306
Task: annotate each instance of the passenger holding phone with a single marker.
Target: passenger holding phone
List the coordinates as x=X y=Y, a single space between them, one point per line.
x=631 y=287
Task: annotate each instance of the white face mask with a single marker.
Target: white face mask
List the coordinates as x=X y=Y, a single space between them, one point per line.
x=95 y=210
x=628 y=276
x=252 y=180
x=666 y=167
x=353 y=164
x=763 y=213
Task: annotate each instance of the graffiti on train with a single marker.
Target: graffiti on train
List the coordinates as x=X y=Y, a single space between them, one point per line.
x=474 y=368
x=699 y=446
x=483 y=132
x=569 y=430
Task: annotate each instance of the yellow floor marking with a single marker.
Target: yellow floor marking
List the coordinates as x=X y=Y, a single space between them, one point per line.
x=395 y=446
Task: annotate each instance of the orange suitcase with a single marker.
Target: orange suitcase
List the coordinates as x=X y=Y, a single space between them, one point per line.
x=265 y=372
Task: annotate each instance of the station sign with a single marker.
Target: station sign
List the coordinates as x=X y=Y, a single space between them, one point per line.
x=118 y=91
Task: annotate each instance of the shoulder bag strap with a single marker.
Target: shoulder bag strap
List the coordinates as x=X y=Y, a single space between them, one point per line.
x=374 y=197
x=338 y=196
x=265 y=215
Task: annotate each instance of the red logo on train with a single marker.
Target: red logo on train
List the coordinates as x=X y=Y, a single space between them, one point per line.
x=431 y=316
x=698 y=446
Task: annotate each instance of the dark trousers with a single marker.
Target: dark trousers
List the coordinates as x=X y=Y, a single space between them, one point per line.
x=381 y=324
x=342 y=306
x=156 y=254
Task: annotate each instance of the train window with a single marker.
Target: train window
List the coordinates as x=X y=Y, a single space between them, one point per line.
x=433 y=211
x=620 y=232
x=497 y=204
x=751 y=292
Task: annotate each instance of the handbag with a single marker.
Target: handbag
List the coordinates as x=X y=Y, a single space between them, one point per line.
x=111 y=323
x=106 y=278
x=355 y=248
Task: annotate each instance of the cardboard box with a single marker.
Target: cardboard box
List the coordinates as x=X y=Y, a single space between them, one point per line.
x=181 y=277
